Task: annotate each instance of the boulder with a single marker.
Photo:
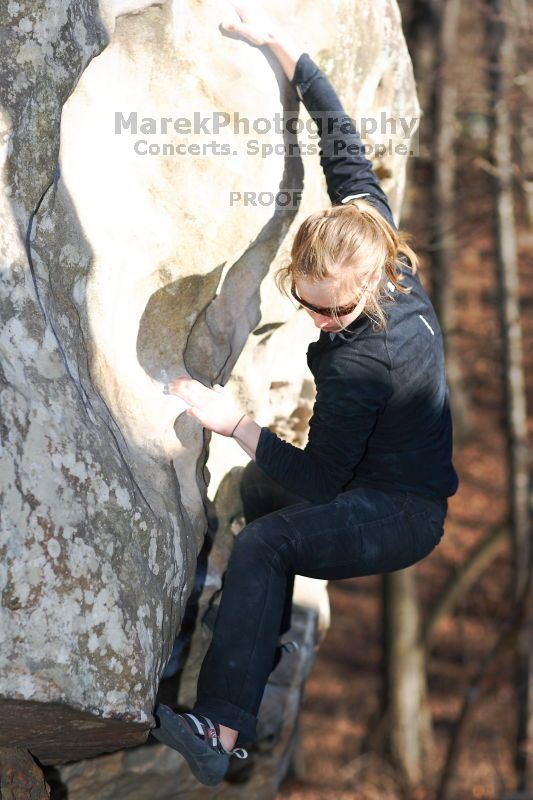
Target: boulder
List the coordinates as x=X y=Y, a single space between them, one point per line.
x=127 y=261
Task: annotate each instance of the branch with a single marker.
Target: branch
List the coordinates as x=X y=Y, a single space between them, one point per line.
x=477 y=561
x=478 y=684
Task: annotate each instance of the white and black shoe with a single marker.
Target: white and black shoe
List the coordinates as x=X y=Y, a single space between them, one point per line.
x=198 y=741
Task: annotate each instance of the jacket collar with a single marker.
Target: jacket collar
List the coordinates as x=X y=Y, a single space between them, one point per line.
x=325 y=342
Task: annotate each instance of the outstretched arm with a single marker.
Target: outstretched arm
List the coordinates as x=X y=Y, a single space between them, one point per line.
x=348 y=172
x=250 y=24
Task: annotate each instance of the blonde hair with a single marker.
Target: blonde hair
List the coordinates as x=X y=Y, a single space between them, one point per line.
x=348 y=243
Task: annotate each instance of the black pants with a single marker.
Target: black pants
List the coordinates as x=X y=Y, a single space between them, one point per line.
x=364 y=531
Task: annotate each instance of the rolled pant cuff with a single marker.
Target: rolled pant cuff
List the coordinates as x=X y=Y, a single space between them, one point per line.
x=232 y=716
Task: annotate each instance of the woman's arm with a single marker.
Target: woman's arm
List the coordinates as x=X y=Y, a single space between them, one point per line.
x=247 y=434
x=352 y=391
x=287 y=54
x=347 y=170
x=257 y=29
x=217 y=411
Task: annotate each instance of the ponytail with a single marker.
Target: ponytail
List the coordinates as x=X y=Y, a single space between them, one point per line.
x=350 y=242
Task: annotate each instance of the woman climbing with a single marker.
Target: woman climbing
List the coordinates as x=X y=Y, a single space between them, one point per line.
x=368 y=493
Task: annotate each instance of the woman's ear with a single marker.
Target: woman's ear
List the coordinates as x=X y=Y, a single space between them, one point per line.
x=374 y=281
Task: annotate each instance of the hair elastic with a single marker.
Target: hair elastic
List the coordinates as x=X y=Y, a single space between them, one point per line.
x=237 y=425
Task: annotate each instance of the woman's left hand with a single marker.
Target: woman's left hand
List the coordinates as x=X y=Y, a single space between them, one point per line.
x=251 y=24
x=214 y=408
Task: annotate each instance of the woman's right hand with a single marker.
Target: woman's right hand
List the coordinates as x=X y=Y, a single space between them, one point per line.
x=250 y=24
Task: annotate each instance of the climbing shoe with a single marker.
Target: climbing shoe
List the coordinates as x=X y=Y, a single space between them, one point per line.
x=198 y=741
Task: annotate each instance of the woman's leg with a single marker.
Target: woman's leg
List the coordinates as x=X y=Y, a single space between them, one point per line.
x=364 y=531
x=261 y=495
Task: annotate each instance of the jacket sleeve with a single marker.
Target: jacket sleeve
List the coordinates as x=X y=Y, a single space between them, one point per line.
x=351 y=393
x=347 y=170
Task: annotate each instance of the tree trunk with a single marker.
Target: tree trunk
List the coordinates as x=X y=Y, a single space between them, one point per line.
x=410 y=727
x=444 y=203
x=432 y=31
x=500 y=82
x=522 y=27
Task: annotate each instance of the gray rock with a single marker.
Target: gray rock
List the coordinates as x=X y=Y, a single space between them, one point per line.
x=124 y=267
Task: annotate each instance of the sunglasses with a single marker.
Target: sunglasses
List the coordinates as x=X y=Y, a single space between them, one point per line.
x=329 y=311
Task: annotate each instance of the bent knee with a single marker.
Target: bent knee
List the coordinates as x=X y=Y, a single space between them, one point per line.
x=254 y=534
x=264 y=539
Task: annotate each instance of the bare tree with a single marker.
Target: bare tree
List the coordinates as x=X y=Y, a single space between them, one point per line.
x=405 y=696
x=444 y=205
x=410 y=723
x=521 y=21
x=432 y=34
x=500 y=84
x=402 y=727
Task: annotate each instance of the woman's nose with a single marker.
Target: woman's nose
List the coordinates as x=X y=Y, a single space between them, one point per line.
x=318 y=319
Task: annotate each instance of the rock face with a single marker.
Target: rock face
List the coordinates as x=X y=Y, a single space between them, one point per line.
x=125 y=264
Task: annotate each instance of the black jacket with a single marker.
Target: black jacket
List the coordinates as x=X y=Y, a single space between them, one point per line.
x=381 y=415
